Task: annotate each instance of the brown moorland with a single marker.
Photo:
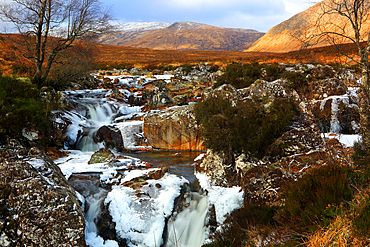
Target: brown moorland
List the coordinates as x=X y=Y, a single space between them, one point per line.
x=109 y=57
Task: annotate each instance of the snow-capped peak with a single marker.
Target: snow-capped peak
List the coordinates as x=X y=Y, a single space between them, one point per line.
x=141 y=26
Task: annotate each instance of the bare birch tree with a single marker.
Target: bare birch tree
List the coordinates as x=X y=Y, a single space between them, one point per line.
x=64 y=20
x=347 y=21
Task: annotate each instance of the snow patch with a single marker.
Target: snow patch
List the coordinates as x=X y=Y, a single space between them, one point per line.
x=225 y=200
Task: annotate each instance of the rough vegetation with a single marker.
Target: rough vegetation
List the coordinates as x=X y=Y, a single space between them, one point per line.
x=24 y=108
x=261 y=125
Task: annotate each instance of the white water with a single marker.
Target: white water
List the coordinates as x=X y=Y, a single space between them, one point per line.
x=184 y=230
x=92 y=239
x=188 y=228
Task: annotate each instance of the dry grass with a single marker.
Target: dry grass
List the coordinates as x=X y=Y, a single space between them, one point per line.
x=339 y=234
x=109 y=57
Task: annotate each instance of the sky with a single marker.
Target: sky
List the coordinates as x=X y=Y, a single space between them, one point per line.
x=260 y=15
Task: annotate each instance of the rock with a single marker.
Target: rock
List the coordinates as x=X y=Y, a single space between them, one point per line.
x=102 y=156
x=157 y=95
x=135 y=71
x=111 y=136
x=328 y=87
x=337 y=114
x=303 y=136
x=212 y=165
x=37 y=205
x=271 y=90
x=173 y=129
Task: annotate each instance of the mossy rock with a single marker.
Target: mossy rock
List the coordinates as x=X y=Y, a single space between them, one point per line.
x=102 y=156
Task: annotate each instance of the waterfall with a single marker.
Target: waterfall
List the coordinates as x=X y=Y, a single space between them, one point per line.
x=92 y=239
x=188 y=228
x=101 y=113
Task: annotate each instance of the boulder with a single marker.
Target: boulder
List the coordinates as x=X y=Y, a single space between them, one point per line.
x=157 y=95
x=337 y=114
x=111 y=136
x=271 y=90
x=38 y=207
x=173 y=129
x=303 y=137
x=328 y=87
x=102 y=156
x=135 y=71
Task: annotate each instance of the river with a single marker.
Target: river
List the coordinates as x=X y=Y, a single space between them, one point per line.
x=152 y=215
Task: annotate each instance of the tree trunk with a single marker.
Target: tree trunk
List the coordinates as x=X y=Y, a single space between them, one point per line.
x=364 y=104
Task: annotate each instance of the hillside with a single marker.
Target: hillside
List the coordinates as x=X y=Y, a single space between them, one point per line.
x=110 y=56
x=180 y=36
x=292 y=34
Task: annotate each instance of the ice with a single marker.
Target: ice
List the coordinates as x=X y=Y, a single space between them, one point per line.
x=346 y=140
x=225 y=200
x=128 y=130
x=142 y=219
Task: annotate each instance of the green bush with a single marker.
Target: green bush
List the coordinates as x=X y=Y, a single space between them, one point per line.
x=249 y=126
x=187 y=68
x=240 y=75
x=316 y=198
x=297 y=81
x=21 y=106
x=273 y=72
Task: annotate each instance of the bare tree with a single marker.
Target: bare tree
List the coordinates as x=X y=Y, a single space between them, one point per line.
x=347 y=21
x=63 y=20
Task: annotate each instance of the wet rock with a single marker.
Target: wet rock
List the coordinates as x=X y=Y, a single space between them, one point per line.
x=102 y=156
x=118 y=95
x=173 y=129
x=105 y=225
x=38 y=207
x=156 y=94
x=337 y=114
x=139 y=182
x=111 y=136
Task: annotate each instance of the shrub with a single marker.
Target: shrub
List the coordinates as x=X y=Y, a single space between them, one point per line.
x=273 y=72
x=240 y=75
x=297 y=81
x=317 y=197
x=249 y=126
x=235 y=232
x=187 y=68
x=21 y=106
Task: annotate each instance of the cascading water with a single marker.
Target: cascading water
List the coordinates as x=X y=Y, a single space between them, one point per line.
x=94 y=203
x=188 y=229
x=184 y=229
x=99 y=114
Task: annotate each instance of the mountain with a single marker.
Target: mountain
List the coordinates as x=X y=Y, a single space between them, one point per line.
x=180 y=36
x=292 y=34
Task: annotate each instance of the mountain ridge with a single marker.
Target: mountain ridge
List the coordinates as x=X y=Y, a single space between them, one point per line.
x=180 y=36
x=296 y=32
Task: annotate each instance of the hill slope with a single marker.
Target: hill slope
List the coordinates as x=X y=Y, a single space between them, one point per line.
x=180 y=36
x=290 y=35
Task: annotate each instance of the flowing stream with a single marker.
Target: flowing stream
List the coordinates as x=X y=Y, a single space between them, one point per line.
x=184 y=228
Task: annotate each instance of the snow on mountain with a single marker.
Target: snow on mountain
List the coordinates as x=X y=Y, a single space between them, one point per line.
x=141 y=26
